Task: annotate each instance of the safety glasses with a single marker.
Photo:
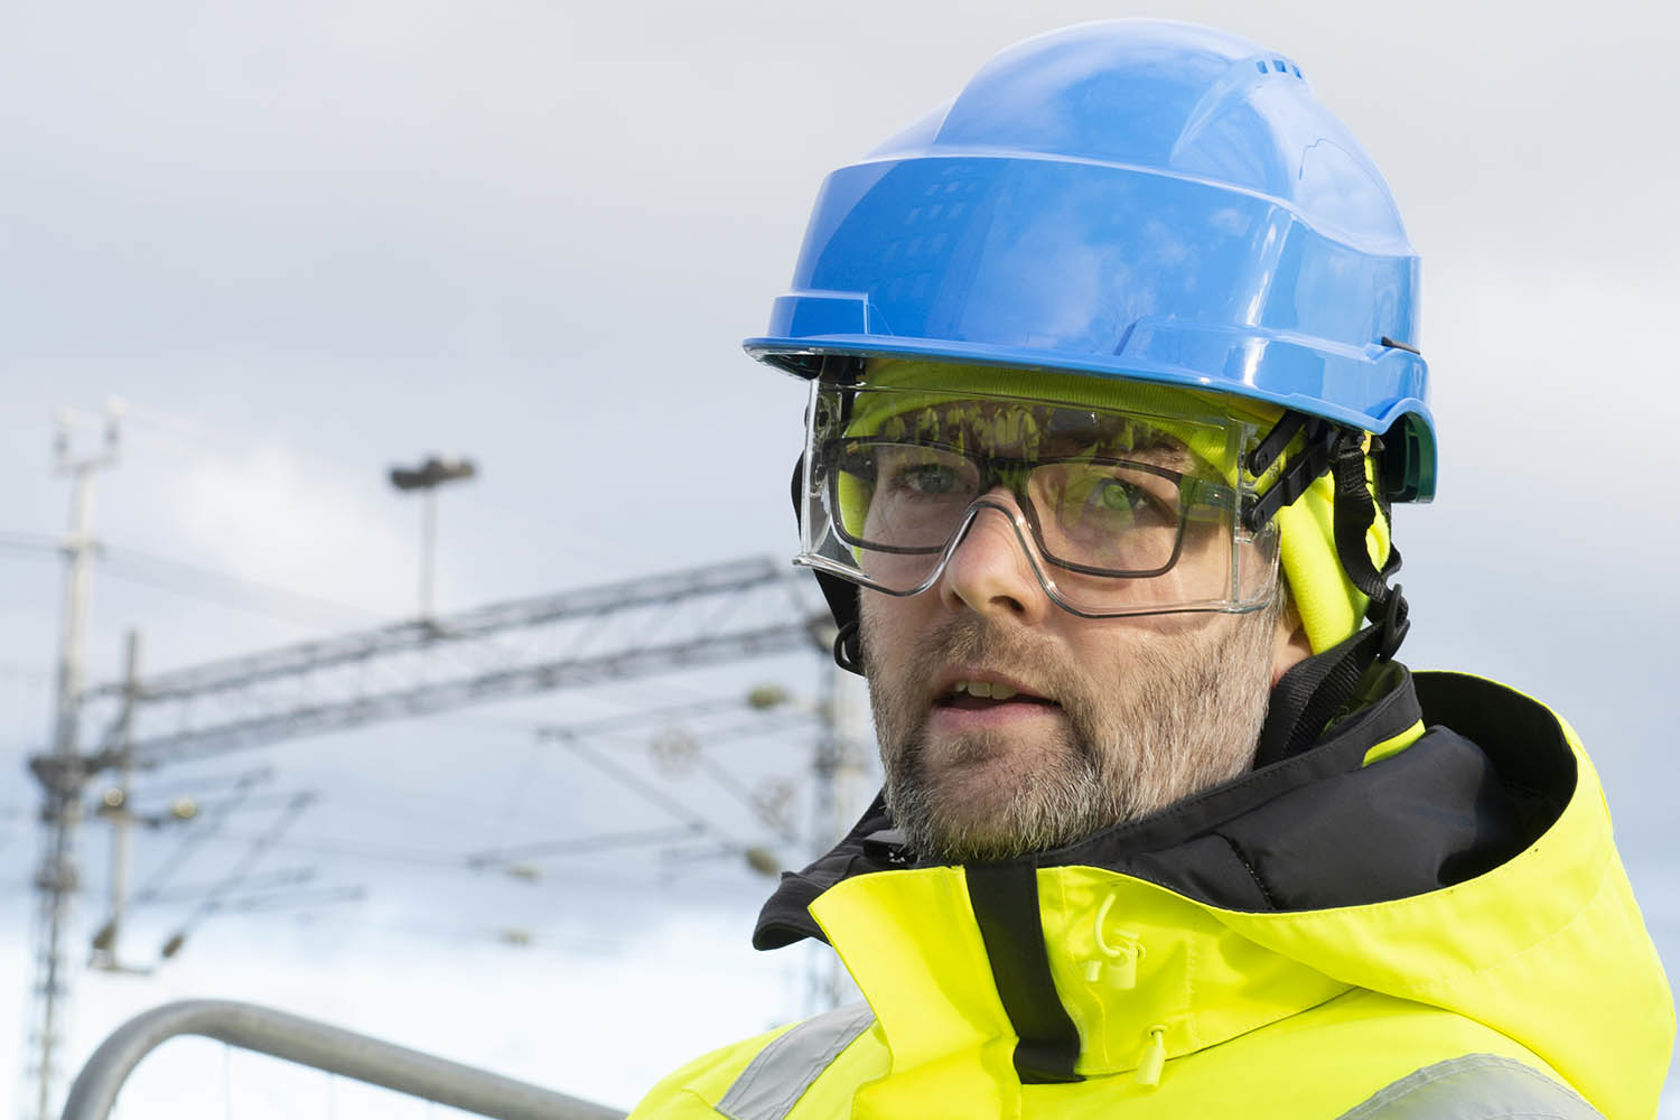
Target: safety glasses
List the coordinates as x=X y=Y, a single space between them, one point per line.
x=1118 y=511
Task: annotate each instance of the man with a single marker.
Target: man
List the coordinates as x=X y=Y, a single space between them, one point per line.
x=1114 y=380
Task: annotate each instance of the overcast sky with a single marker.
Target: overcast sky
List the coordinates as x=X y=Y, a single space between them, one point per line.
x=309 y=240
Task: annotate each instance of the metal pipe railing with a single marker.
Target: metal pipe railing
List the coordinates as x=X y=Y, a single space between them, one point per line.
x=320 y=1046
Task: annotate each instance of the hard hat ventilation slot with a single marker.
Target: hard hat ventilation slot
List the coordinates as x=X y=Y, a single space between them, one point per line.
x=1278 y=65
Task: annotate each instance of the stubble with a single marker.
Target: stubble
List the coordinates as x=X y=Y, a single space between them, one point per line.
x=1181 y=714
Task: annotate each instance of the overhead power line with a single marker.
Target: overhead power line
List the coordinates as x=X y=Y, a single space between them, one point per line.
x=217 y=896
x=693 y=726
x=38 y=545
x=286 y=877
x=579 y=846
x=162 y=573
x=208 y=826
x=576 y=872
x=290 y=900
x=195 y=581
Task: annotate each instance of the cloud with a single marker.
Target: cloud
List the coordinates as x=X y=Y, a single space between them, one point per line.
x=281 y=519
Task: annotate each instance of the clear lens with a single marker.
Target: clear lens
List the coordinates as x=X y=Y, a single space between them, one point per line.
x=1119 y=512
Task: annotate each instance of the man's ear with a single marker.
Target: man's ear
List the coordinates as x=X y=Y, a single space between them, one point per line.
x=1290 y=646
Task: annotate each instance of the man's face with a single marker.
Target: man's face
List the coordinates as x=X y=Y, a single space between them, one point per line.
x=1009 y=725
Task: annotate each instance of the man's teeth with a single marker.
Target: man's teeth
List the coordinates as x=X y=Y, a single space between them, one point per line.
x=985 y=689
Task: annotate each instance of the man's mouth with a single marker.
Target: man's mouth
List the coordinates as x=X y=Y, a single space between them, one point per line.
x=974 y=695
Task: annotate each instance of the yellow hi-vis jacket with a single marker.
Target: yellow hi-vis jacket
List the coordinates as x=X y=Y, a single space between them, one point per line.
x=1397 y=923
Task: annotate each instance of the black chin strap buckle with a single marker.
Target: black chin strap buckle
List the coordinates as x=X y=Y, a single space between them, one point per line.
x=1391 y=617
x=1297 y=475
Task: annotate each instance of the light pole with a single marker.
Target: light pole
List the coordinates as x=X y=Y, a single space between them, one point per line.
x=426 y=478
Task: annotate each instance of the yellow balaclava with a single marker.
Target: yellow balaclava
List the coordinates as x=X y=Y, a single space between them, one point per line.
x=1329 y=605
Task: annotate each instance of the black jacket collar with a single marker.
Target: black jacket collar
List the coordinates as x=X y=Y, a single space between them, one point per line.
x=1314 y=830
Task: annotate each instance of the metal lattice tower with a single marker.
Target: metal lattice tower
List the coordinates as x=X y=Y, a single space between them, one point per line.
x=60 y=771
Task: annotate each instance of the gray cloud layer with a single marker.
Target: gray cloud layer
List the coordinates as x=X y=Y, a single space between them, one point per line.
x=338 y=235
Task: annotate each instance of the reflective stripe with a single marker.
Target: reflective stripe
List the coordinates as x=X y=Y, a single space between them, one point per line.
x=1475 y=1087
x=775 y=1080
x=1393 y=745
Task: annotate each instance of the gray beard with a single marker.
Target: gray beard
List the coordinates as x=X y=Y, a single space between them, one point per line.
x=1185 y=717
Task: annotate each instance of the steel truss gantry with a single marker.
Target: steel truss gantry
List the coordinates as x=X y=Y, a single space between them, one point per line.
x=620 y=631
x=703 y=616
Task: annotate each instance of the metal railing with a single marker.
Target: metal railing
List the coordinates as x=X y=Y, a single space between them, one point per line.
x=320 y=1046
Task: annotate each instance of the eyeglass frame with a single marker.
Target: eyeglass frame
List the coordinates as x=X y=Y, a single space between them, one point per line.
x=991 y=477
x=813 y=498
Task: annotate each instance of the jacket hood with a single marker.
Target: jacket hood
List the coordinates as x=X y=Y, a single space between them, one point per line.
x=1448 y=845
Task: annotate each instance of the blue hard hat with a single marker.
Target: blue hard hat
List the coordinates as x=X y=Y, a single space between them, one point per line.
x=1135 y=199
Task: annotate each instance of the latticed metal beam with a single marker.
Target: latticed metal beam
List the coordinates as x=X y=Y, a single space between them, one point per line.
x=703 y=616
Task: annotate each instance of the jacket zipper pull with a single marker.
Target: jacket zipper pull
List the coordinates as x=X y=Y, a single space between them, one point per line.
x=1154 y=1058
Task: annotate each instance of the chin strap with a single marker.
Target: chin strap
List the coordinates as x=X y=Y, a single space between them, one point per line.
x=1315 y=692
x=842 y=598
x=1355 y=510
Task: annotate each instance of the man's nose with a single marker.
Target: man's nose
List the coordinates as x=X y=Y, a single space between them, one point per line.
x=990 y=571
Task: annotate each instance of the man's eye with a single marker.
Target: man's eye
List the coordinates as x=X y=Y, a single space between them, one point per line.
x=1116 y=496
x=1129 y=503
x=927 y=478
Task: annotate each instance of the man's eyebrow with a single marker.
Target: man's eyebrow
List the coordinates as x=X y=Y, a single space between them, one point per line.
x=1164 y=451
